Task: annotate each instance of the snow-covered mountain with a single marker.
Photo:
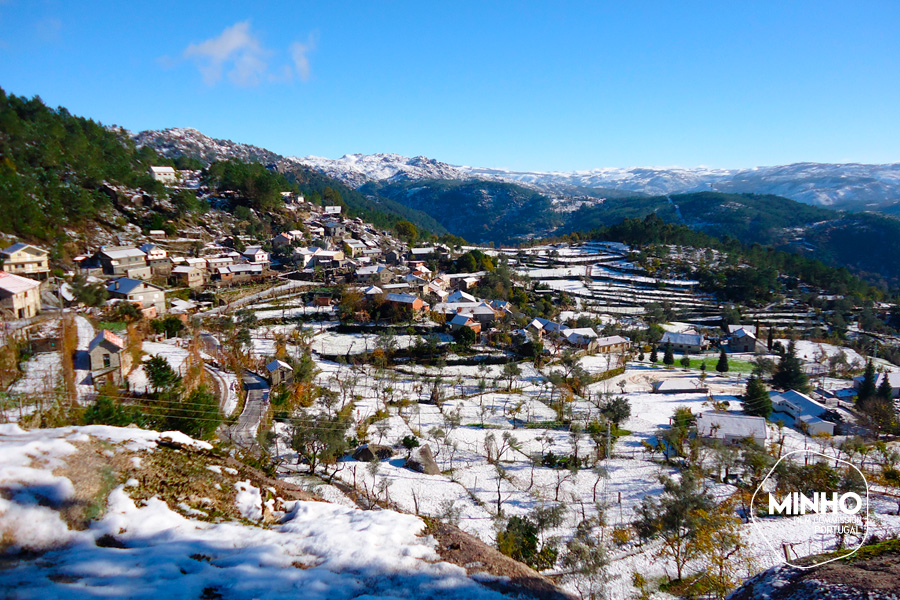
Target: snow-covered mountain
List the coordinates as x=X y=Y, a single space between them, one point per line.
x=192 y=143
x=852 y=186
x=849 y=185
x=358 y=169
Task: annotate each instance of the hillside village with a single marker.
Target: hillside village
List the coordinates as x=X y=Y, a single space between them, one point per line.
x=540 y=398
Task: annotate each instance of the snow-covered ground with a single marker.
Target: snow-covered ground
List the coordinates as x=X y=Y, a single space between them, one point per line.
x=314 y=550
x=469 y=421
x=43 y=372
x=174 y=354
x=43 y=375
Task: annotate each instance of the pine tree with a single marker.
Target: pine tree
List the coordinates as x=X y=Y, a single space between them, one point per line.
x=654 y=356
x=867 y=388
x=885 y=391
x=669 y=356
x=789 y=374
x=770 y=339
x=722 y=365
x=756 y=400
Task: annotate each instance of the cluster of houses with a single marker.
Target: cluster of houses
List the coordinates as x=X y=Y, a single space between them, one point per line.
x=790 y=407
x=584 y=338
x=150 y=260
x=740 y=338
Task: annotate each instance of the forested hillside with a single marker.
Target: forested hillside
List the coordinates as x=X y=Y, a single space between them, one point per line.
x=479 y=211
x=52 y=165
x=379 y=211
x=57 y=170
x=862 y=242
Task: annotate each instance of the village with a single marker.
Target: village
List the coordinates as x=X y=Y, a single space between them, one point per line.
x=560 y=384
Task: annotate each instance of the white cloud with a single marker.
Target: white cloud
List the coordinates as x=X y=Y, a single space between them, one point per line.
x=299 y=53
x=235 y=47
x=238 y=54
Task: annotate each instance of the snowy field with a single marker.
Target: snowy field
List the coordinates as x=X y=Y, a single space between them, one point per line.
x=161 y=552
x=470 y=425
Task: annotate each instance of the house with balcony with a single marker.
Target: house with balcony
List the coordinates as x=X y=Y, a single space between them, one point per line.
x=26 y=260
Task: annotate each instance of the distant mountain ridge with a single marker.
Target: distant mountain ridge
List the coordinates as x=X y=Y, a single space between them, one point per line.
x=849 y=186
x=802 y=207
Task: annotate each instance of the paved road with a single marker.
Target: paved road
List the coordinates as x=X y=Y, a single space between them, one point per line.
x=243 y=433
x=267 y=293
x=82 y=363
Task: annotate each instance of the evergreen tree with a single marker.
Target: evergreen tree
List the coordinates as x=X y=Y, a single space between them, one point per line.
x=885 y=391
x=756 y=400
x=770 y=339
x=722 y=365
x=654 y=355
x=669 y=356
x=867 y=389
x=789 y=374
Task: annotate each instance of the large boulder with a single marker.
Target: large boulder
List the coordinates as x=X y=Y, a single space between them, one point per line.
x=370 y=452
x=422 y=460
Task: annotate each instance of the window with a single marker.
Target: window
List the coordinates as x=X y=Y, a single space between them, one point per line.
x=106 y=361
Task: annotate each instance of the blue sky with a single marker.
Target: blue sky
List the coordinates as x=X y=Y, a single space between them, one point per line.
x=522 y=85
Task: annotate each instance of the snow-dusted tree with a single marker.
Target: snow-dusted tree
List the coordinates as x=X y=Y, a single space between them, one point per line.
x=673 y=518
x=585 y=562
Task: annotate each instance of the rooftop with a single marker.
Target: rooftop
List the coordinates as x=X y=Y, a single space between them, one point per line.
x=109 y=336
x=14 y=284
x=722 y=424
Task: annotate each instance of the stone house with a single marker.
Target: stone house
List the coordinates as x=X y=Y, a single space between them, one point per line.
x=122 y=261
x=279 y=372
x=109 y=360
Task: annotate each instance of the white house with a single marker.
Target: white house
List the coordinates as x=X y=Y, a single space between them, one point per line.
x=152 y=251
x=796 y=404
x=806 y=411
x=164 y=175
x=255 y=255
x=815 y=425
x=893 y=378
x=731 y=428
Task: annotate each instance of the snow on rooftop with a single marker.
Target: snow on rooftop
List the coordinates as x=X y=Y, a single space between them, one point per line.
x=14 y=284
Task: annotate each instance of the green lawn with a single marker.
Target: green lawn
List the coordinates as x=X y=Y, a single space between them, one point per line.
x=734 y=366
x=114 y=326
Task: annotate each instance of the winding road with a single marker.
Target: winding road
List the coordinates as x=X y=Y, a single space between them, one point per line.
x=243 y=433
